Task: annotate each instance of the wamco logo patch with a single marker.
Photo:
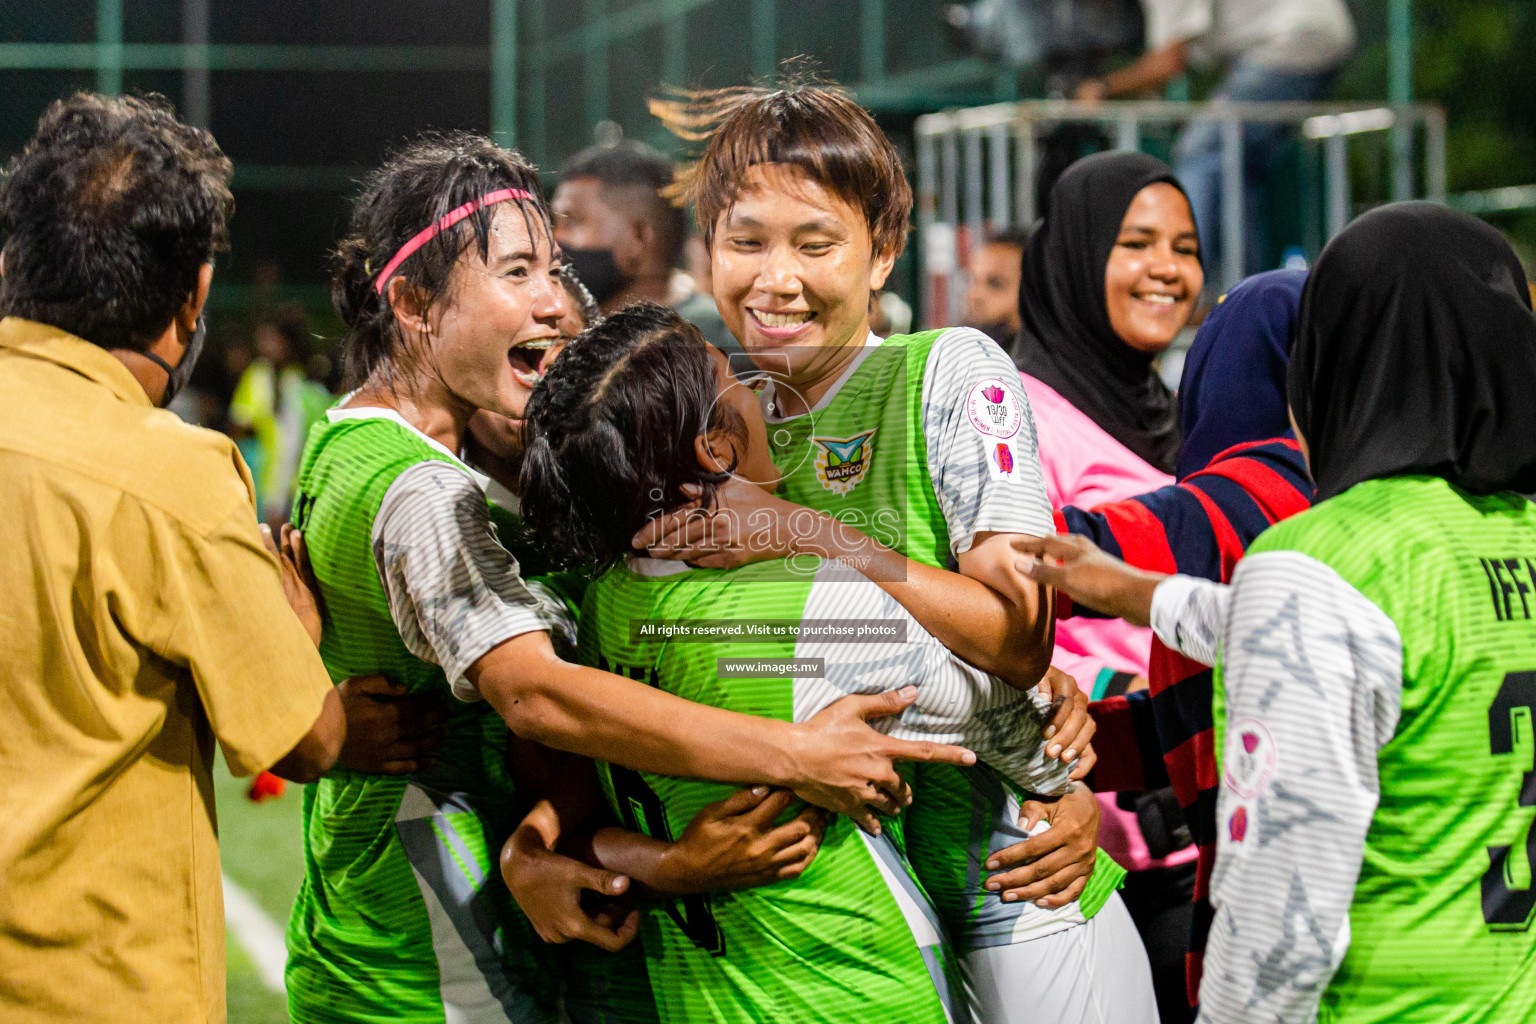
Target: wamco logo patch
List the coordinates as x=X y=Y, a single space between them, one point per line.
x=841 y=462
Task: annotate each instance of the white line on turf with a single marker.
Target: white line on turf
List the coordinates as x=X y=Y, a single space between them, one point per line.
x=262 y=939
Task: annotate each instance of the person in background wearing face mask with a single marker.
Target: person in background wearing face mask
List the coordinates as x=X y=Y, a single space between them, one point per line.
x=143 y=619
x=624 y=238
x=992 y=300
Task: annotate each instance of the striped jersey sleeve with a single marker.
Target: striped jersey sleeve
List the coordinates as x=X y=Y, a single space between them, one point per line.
x=1312 y=672
x=983 y=455
x=454 y=592
x=1189 y=615
x=956 y=702
x=1199 y=528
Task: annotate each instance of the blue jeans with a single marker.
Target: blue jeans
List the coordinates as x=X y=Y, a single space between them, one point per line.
x=1197 y=158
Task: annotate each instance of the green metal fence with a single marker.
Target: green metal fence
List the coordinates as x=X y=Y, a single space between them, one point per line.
x=304 y=97
x=551 y=70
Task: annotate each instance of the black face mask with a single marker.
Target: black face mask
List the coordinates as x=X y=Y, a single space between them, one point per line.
x=596 y=269
x=177 y=376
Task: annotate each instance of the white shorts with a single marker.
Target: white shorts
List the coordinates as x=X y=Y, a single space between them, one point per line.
x=1094 y=973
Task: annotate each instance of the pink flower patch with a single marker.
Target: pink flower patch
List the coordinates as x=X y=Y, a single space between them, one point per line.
x=993 y=410
x=1251 y=759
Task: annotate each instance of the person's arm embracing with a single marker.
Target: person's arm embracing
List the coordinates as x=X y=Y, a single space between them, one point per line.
x=459 y=601
x=322 y=746
x=316 y=752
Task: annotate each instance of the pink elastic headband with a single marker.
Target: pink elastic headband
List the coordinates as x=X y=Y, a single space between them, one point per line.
x=444 y=222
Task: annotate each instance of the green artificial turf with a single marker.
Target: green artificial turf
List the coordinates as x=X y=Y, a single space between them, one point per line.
x=261 y=852
x=249 y=999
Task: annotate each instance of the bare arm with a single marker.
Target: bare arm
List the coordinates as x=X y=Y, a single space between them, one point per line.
x=1079 y=568
x=834 y=760
x=730 y=844
x=316 y=753
x=556 y=854
x=989 y=613
x=1152 y=70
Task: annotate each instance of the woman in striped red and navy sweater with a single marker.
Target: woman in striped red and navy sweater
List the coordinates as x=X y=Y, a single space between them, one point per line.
x=1239 y=471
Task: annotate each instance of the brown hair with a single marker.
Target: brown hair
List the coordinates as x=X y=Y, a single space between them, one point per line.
x=815 y=128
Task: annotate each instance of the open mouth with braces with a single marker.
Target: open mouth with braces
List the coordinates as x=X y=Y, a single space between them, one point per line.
x=525 y=358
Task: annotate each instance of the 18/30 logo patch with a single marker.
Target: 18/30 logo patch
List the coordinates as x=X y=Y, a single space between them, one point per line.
x=993 y=409
x=842 y=462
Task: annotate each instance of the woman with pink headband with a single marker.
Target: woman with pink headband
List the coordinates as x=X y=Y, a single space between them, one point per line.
x=450 y=284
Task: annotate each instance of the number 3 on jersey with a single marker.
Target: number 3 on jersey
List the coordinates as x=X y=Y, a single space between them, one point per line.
x=1505 y=907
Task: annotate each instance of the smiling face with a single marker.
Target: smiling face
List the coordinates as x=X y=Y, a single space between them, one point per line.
x=1153 y=276
x=792 y=267
x=500 y=316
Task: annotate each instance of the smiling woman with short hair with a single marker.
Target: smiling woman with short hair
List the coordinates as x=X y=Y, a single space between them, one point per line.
x=913 y=458
x=451 y=284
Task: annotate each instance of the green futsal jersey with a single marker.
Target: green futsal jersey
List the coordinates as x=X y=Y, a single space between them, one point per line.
x=1399 y=618
x=854 y=937
x=928 y=438
x=402 y=915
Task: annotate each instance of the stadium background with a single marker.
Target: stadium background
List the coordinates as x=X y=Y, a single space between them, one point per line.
x=305 y=96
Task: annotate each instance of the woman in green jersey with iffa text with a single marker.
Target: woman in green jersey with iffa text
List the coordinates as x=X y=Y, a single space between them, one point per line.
x=1376 y=655
x=917 y=454
x=1378 y=661
x=450 y=285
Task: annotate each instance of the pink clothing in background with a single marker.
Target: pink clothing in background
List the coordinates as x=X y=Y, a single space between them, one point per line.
x=1085 y=466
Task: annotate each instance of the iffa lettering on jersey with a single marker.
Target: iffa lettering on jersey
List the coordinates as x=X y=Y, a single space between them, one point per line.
x=1512 y=582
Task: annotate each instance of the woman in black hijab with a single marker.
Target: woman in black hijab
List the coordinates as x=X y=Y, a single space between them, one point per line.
x=1415 y=356
x=1379 y=651
x=1109 y=279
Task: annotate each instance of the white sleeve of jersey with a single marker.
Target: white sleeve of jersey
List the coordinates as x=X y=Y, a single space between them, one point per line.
x=956 y=702
x=983 y=456
x=1312 y=673
x=1190 y=614
x=454 y=592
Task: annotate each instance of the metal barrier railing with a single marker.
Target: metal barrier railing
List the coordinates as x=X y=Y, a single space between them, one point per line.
x=977 y=169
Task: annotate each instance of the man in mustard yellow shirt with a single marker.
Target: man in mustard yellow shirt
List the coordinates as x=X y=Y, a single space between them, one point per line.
x=140 y=617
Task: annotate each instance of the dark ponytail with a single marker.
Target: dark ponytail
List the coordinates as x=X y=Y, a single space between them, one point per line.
x=611 y=432
x=414 y=188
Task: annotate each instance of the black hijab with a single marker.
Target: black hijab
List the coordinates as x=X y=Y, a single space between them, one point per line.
x=1067 y=341
x=1416 y=354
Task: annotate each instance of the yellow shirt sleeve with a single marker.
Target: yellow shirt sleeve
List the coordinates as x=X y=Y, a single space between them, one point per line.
x=259 y=676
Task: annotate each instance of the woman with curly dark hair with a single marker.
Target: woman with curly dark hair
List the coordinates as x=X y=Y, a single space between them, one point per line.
x=641 y=418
